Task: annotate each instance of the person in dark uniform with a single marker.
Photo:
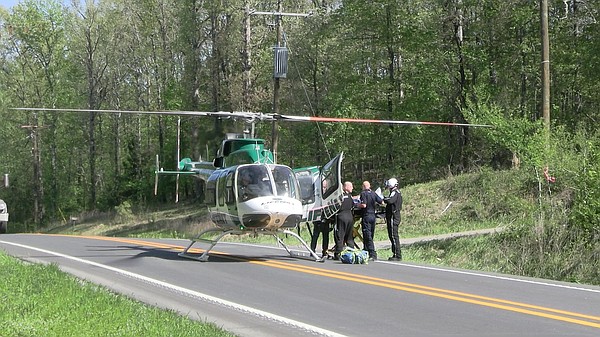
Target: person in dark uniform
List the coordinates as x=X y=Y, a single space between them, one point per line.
x=345 y=222
x=393 y=206
x=368 y=203
x=320 y=227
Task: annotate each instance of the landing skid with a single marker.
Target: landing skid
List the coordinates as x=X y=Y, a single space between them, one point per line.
x=204 y=256
x=295 y=254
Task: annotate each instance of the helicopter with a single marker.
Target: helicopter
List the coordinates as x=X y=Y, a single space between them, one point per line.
x=246 y=192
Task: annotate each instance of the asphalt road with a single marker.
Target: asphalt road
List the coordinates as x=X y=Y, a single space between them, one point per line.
x=261 y=291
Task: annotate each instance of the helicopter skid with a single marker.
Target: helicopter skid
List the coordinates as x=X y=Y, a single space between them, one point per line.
x=204 y=256
x=296 y=254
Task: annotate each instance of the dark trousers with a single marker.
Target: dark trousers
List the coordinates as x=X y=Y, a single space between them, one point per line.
x=392 y=228
x=368 y=231
x=320 y=227
x=345 y=224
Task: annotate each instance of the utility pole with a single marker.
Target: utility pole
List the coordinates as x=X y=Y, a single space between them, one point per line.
x=545 y=64
x=178 y=158
x=280 y=68
x=247 y=63
x=38 y=187
x=276 y=85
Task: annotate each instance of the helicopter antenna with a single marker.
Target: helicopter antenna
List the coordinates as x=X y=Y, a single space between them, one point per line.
x=256 y=149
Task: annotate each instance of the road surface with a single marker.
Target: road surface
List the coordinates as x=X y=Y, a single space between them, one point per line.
x=261 y=291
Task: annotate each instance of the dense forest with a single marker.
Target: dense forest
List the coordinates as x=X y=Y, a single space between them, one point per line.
x=466 y=61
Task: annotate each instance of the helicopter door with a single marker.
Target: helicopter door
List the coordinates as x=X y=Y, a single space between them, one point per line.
x=331 y=186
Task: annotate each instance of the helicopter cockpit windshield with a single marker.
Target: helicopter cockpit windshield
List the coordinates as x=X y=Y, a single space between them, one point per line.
x=256 y=181
x=253 y=181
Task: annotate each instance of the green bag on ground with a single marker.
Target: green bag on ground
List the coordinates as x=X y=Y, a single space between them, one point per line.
x=354 y=256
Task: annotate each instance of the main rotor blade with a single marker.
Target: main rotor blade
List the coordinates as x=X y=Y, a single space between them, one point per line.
x=220 y=114
x=259 y=116
x=379 y=121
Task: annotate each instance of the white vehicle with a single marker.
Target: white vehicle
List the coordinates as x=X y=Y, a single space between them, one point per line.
x=3 y=209
x=3 y=217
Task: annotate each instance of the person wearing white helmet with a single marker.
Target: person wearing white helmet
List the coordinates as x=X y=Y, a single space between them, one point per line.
x=393 y=206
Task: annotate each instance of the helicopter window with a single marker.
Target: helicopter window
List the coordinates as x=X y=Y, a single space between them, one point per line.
x=229 y=195
x=211 y=191
x=222 y=191
x=253 y=181
x=284 y=181
x=307 y=187
x=330 y=176
x=328 y=184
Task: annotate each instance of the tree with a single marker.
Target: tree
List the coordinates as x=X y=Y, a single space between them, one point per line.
x=35 y=44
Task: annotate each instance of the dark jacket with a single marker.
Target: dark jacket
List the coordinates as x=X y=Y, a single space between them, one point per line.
x=371 y=200
x=393 y=206
x=347 y=203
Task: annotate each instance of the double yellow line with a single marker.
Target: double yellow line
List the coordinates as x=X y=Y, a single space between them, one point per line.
x=524 y=308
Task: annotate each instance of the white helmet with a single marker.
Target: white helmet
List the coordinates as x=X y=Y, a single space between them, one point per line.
x=391 y=183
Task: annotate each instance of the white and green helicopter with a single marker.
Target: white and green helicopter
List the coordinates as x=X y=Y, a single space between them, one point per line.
x=246 y=192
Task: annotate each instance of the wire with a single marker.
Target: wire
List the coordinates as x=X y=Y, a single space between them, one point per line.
x=312 y=110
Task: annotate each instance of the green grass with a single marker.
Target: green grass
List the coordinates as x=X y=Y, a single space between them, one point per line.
x=40 y=300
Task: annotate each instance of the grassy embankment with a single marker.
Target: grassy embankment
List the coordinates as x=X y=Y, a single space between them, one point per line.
x=538 y=239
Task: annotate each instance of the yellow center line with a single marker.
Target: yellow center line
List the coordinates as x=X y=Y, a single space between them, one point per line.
x=443 y=293
x=568 y=316
x=385 y=282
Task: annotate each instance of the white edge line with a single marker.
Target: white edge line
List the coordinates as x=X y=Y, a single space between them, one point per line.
x=505 y=278
x=204 y=297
